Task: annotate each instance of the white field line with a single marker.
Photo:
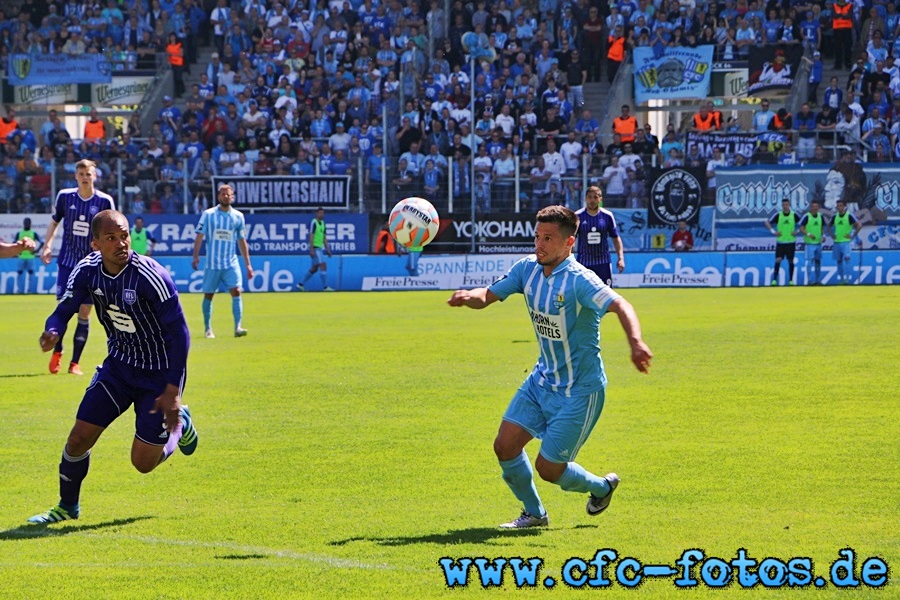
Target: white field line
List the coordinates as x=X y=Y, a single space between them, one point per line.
x=337 y=563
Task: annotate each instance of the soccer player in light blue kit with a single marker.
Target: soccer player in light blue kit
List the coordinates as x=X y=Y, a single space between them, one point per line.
x=561 y=400
x=76 y=206
x=148 y=341
x=223 y=228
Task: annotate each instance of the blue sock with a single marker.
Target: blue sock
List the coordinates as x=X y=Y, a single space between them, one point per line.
x=322 y=274
x=207 y=313
x=576 y=479
x=81 y=336
x=237 y=307
x=840 y=267
x=72 y=471
x=519 y=476
x=308 y=275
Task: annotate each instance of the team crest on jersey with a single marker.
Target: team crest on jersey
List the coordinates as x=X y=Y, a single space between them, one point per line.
x=94 y=210
x=129 y=296
x=560 y=301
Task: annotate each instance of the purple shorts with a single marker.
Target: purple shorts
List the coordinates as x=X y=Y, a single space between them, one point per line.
x=604 y=272
x=114 y=388
x=62 y=278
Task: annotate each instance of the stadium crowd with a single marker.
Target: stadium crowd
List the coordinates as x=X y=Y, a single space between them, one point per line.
x=380 y=90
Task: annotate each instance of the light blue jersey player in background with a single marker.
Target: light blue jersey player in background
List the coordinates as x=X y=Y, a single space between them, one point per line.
x=75 y=207
x=561 y=400
x=223 y=228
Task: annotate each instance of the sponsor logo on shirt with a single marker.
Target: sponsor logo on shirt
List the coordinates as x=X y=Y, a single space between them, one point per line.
x=547 y=326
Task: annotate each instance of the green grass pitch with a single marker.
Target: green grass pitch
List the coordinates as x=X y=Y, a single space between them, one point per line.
x=346 y=448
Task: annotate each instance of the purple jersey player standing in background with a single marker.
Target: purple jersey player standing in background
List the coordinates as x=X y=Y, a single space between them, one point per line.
x=148 y=342
x=77 y=206
x=595 y=226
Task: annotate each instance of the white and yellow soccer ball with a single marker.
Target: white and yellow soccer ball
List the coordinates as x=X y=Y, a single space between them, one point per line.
x=414 y=222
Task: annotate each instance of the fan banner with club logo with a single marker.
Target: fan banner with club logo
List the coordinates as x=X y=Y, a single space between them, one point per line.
x=729 y=143
x=674 y=73
x=754 y=193
x=675 y=195
x=58 y=69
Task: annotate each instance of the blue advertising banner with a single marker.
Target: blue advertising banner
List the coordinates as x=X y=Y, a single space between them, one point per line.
x=447 y=272
x=266 y=233
x=675 y=73
x=871 y=191
x=58 y=69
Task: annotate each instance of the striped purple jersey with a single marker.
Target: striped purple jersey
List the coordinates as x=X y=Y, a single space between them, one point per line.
x=139 y=310
x=78 y=212
x=594 y=231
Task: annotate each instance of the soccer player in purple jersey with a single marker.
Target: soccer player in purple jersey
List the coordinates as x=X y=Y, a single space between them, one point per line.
x=77 y=206
x=595 y=226
x=148 y=342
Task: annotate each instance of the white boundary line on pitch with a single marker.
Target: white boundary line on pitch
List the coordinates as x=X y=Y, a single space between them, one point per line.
x=338 y=563
x=341 y=563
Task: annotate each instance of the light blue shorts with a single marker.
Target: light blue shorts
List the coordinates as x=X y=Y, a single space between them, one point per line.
x=562 y=424
x=841 y=251
x=320 y=256
x=813 y=252
x=221 y=280
x=26 y=265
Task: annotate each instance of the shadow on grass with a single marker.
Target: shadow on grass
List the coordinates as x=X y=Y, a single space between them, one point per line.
x=43 y=530
x=475 y=535
x=41 y=374
x=241 y=556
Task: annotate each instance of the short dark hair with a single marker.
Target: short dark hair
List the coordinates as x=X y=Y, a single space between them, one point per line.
x=566 y=218
x=103 y=216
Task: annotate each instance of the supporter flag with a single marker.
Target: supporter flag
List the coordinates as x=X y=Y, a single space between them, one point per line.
x=674 y=73
x=58 y=69
x=675 y=195
x=772 y=68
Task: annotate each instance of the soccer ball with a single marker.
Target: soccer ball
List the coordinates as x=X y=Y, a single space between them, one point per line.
x=413 y=222
x=679 y=245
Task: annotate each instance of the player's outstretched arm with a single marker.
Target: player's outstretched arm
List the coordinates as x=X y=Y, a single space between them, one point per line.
x=14 y=249
x=477 y=298
x=640 y=352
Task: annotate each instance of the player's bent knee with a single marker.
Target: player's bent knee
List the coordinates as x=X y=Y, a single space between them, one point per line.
x=506 y=449
x=549 y=471
x=82 y=438
x=142 y=465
